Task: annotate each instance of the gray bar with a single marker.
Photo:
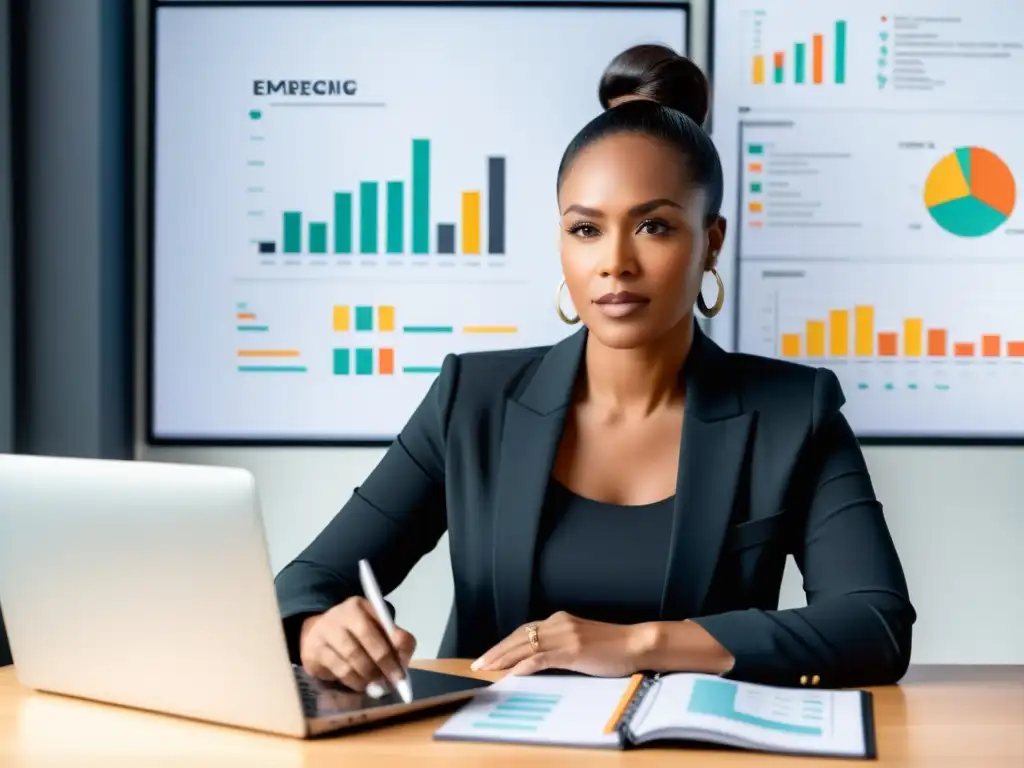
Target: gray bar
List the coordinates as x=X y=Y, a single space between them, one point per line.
x=496 y=205
x=446 y=238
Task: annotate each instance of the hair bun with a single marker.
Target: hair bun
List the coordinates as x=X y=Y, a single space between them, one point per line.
x=659 y=74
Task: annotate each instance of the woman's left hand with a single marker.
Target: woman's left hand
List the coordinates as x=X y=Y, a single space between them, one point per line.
x=570 y=643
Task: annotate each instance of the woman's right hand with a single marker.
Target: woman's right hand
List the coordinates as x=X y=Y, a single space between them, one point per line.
x=347 y=644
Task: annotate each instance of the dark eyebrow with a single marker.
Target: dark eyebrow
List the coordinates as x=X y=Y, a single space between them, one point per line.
x=636 y=210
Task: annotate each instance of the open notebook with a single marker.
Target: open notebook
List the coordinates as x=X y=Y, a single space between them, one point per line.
x=617 y=713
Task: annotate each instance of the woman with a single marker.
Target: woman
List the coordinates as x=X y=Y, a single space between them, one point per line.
x=625 y=499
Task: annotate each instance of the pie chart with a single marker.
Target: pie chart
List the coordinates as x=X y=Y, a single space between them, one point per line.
x=970 y=192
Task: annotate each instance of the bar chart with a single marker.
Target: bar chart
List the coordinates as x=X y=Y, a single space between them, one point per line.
x=393 y=217
x=919 y=349
x=814 y=61
x=254 y=357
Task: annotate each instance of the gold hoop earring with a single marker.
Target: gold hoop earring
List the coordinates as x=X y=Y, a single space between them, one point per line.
x=702 y=305
x=558 y=307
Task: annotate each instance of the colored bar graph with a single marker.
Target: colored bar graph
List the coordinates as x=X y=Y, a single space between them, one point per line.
x=364 y=362
x=385 y=318
x=937 y=342
x=913 y=333
x=799 y=62
x=818 y=59
x=343 y=222
x=888 y=344
x=496 y=205
x=863 y=331
x=421 y=196
x=364 y=318
x=839 y=338
x=991 y=345
x=758 y=73
x=341 y=319
x=317 y=237
x=777 y=66
x=385 y=361
x=368 y=194
x=396 y=217
x=815 y=338
x=471 y=223
x=791 y=345
x=446 y=239
x=292 y=232
x=963 y=349
x=840 y=71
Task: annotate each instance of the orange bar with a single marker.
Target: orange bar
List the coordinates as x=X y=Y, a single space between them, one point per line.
x=936 y=342
x=754 y=168
x=839 y=332
x=778 y=59
x=815 y=338
x=991 y=345
x=620 y=708
x=888 y=343
x=757 y=224
x=1015 y=349
x=791 y=345
x=963 y=349
x=385 y=361
x=268 y=353
x=818 y=57
x=246 y=315
x=755 y=207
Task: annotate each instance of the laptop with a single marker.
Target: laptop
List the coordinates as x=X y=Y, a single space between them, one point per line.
x=149 y=585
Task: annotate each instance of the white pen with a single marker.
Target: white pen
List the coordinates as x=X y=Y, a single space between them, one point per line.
x=372 y=592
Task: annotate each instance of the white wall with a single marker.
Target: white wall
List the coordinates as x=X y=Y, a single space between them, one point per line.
x=956 y=514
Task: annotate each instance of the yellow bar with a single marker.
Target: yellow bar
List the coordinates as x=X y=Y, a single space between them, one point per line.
x=489 y=329
x=471 y=222
x=791 y=345
x=758 y=73
x=341 y=318
x=839 y=326
x=268 y=353
x=385 y=318
x=756 y=207
x=913 y=335
x=815 y=338
x=864 y=331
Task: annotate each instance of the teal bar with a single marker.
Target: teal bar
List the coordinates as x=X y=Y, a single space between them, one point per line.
x=341 y=362
x=368 y=217
x=271 y=369
x=427 y=329
x=421 y=196
x=756 y=149
x=840 y=52
x=364 y=318
x=343 y=222
x=799 y=62
x=755 y=186
x=292 y=232
x=396 y=219
x=254 y=328
x=778 y=75
x=421 y=369
x=317 y=237
x=364 y=362
x=255 y=114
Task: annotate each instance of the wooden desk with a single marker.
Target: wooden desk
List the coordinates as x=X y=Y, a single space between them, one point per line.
x=937 y=718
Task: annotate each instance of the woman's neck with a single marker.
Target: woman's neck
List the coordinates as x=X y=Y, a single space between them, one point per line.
x=641 y=380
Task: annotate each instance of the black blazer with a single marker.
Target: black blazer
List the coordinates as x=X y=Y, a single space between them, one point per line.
x=768 y=467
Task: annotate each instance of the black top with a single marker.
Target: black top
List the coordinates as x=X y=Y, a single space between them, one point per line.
x=601 y=561
x=768 y=466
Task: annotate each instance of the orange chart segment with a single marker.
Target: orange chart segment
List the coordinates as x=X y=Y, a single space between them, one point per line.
x=946 y=182
x=991 y=181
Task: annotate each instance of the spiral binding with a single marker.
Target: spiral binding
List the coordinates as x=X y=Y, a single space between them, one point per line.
x=626 y=721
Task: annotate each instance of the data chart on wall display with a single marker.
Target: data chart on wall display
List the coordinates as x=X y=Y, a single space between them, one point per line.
x=876 y=226
x=346 y=194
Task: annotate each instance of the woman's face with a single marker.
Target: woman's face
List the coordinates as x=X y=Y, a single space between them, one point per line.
x=634 y=241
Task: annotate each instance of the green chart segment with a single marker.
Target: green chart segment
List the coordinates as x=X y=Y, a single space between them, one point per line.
x=394 y=217
x=970 y=192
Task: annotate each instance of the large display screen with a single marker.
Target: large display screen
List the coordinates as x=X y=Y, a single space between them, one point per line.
x=873 y=154
x=342 y=194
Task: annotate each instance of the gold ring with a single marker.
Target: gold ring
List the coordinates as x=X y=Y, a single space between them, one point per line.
x=531 y=635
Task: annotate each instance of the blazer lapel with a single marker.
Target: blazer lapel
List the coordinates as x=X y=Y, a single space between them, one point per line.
x=713 y=454
x=532 y=430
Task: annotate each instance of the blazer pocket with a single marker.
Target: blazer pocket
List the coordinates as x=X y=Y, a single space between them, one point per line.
x=755 y=532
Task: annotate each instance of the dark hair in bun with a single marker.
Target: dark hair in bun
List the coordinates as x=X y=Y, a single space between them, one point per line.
x=669 y=102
